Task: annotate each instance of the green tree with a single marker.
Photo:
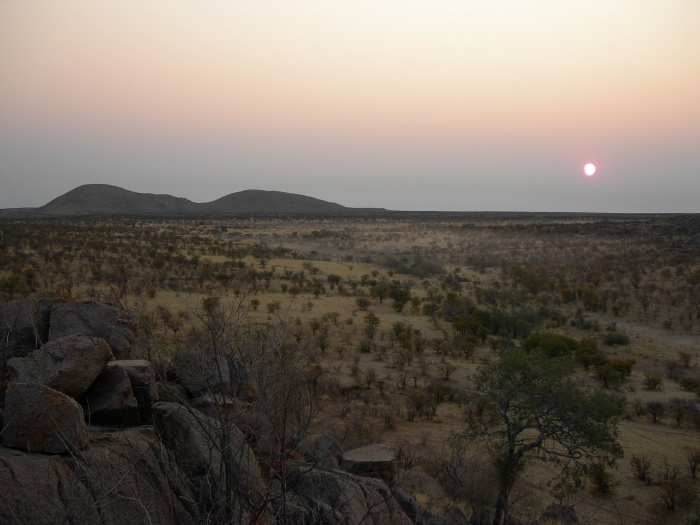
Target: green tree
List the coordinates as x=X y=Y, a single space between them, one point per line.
x=372 y=322
x=540 y=411
x=401 y=296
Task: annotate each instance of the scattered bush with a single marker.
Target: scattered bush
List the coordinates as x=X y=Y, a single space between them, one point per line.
x=617 y=339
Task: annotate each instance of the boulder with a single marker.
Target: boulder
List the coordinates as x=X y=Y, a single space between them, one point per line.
x=218 y=407
x=201 y=373
x=169 y=392
x=19 y=326
x=44 y=316
x=334 y=497
x=373 y=460
x=110 y=400
x=556 y=514
x=195 y=441
x=125 y=477
x=143 y=383
x=112 y=324
x=42 y=490
x=323 y=451
x=69 y=364
x=40 y=419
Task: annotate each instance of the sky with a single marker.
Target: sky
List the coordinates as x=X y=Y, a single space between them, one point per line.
x=459 y=105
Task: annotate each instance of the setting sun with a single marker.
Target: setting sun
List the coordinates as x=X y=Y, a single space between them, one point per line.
x=589 y=169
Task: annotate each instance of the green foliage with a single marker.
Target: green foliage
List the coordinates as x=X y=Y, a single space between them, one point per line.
x=423 y=403
x=588 y=355
x=541 y=411
x=651 y=381
x=401 y=296
x=656 y=410
x=552 y=345
x=601 y=478
x=362 y=303
x=372 y=322
x=273 y=307
x=613 y=373
x=688 y=384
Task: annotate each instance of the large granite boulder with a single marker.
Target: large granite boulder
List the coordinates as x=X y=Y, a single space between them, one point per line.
x=124 y=478
x=143 y=383
x=200 y=373
x=334 y=497
x=40 y=419
x=373 y=460
x=110 y=400
x=69 y=364
x=196 y=443
x=112 y=324
x=42 y=490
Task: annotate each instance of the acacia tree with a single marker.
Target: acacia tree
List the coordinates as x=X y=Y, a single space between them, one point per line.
x=536 y=409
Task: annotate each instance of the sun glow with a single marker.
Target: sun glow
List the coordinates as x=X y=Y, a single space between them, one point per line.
x=589 y=169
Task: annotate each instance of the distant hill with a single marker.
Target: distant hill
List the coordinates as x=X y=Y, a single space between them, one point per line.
x=104 y=199
x=259 y=201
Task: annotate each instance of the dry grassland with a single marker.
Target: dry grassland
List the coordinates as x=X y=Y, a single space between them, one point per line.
x=581 y=276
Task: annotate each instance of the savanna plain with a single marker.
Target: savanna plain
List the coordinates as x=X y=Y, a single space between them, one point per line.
x=386 y=321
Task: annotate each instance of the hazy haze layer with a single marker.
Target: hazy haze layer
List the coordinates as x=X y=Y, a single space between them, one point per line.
x=425 y=105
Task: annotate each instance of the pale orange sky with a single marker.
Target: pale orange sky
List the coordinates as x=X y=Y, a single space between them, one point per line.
x=427 y=104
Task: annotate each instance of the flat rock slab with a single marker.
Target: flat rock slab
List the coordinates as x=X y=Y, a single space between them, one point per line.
x=40 y=419
x=69 y=364
x=373 y=460
x=370 y=454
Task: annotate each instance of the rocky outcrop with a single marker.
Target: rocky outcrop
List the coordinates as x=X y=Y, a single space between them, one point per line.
x=95 y=319
x=110 y=400
x=197 y=443
x=40 y=419
x=211 y=455
x=69 y=364
x=124 y=478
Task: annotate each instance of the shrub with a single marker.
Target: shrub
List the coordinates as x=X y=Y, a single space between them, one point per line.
x=688 y=384
x=656 y=410
x=617 y=339
x=601 y=479
x=641 y=467
x=651 y=381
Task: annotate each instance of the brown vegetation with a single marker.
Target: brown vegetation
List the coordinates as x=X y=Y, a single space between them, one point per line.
x=387 y=319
